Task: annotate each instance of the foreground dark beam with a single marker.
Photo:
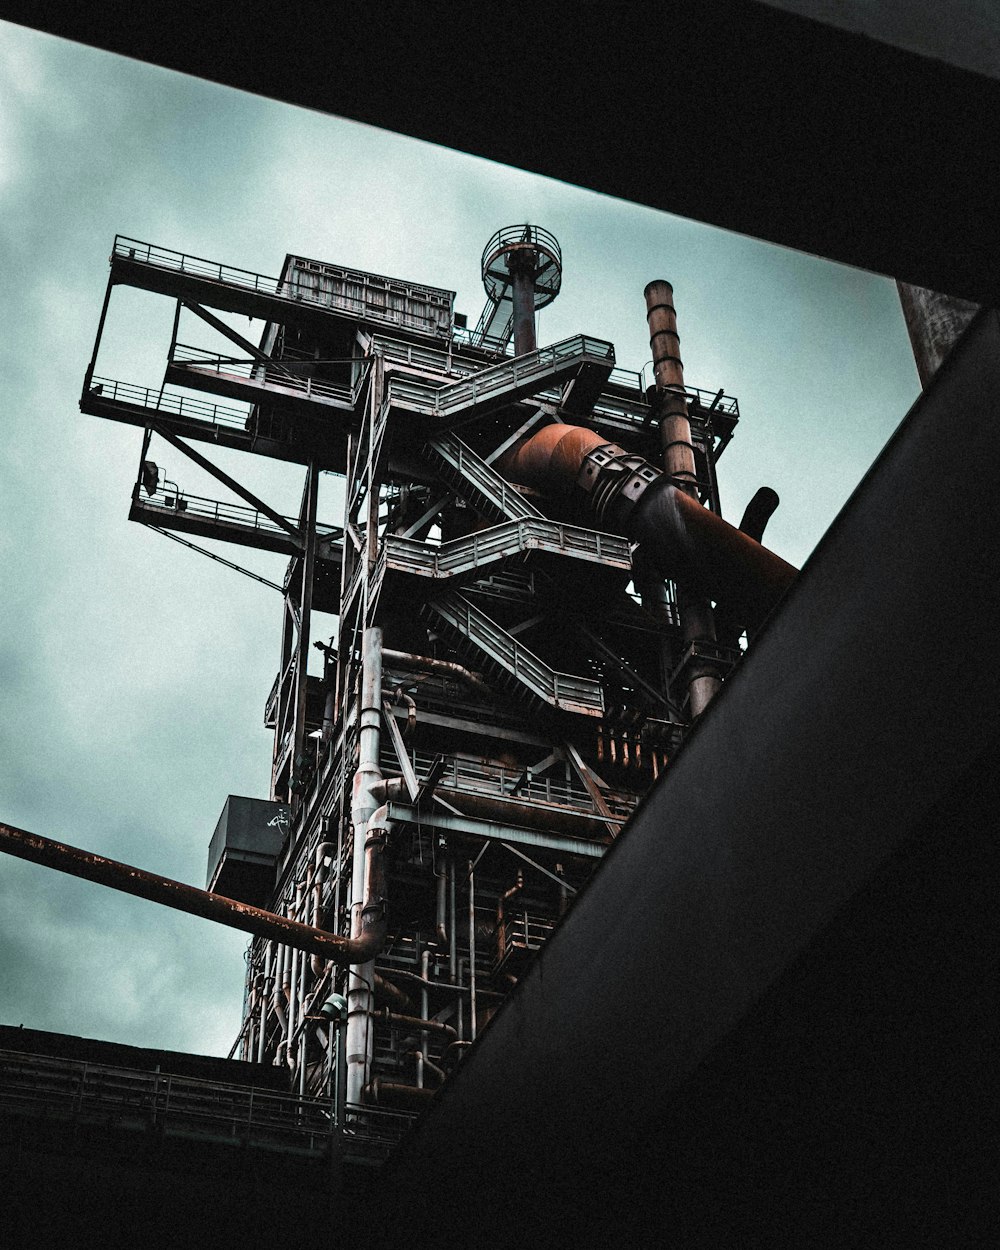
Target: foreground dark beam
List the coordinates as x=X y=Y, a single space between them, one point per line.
x=768 y=1019
x=734 y=113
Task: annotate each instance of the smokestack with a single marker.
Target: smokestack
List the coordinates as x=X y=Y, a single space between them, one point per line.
x=697 y=620
x=671 y=400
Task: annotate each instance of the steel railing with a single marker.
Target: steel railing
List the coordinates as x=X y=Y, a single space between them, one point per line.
x=83 y=1090
x=273 y=377
x=302 y=289
x=503 y=782
x=471 y=469
x=532 y=370
x=175 y=501
x=161 y=400
x=510 y=538
x=564 y=690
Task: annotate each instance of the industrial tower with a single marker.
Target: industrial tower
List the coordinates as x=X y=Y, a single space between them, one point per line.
x=536 y=596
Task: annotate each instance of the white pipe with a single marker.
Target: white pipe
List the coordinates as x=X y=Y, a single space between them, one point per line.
x=361 y=978
x=268 y=960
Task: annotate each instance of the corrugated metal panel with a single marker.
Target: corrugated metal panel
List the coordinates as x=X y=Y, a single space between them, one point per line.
x=368 y=295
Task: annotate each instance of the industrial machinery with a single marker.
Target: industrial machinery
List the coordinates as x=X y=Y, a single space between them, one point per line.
x=535 y=597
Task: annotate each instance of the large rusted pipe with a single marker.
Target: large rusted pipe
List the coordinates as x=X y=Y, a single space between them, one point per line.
x=187 y=898
x=382 y=1093
x=679 y=538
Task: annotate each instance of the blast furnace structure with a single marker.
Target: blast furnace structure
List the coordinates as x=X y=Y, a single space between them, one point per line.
x=535 y=596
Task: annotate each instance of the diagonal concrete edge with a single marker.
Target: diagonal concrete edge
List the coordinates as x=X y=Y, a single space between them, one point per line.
x=871 y=690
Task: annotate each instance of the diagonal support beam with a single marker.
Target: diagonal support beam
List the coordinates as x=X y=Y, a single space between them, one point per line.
x=560 y=881
x=234 y=337
x=402 y=757
x=236 y=487
x=593 y=789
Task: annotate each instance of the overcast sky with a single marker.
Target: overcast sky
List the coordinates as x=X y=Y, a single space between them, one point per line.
x=133 y=672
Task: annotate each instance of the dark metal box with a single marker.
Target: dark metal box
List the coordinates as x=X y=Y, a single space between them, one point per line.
x=245 y=848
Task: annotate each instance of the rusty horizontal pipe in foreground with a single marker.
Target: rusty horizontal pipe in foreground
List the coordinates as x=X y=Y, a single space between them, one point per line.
x=187 y=898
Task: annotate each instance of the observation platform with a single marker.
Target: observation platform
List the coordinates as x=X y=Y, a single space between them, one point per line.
x=298 y=441
x=251 y=382
x=172 y=509
x=300 y=298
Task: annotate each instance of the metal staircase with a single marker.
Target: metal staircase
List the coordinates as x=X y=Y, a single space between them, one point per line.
x=511 y=666
x=474 y=552
x=509 y=381
x=478 y=483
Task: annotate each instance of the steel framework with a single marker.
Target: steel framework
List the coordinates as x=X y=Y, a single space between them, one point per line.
x=519 y=647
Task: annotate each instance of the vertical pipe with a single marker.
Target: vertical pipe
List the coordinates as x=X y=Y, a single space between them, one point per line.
x=308 y=525
x=292 y=1009
x=472 y=951
x=697 y=620
x=425 y=960
x=360 y=997
x=268 y=962
x=522 y=265
x=452 y=917
x=668 y=370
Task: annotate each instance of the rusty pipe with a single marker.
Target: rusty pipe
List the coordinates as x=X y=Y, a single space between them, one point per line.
x=429 y=1064
x=418 y=1024
x=438 y=668
x=392 y=995
x=507 y=895
x=678 y=537
x=671 y=399
x=227 y=911
x=381 y=1093
x=697 y=619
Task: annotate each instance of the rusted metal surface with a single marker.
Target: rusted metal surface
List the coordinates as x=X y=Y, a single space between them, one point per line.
x=382 y=1093
x=187 y=898
x=670 y=405
x=417 y=1023
x=935 y=323
x=668 y=370
x=679 y=537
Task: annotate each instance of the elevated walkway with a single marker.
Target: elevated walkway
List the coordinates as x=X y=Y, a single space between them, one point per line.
x=293 y=301
x=587 y=361
x=511 y=665
x=199 y=419
x=173 y=509
x=475 y=552
x=253 y=383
